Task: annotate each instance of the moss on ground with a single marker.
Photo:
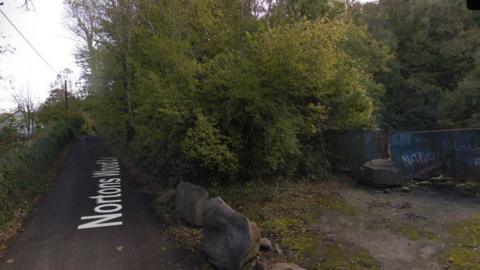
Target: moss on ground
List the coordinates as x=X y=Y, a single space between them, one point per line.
x=338 y=204
x=285 y=211
x=462 y=258
x=291 y=215
x=248 y=197
x=293 y=234
x=411 y=232
x=465 y=240
x=307 y=248
x=467 y=233
x=290 y=222
x=348 y=258
x=283 y=225
x=303 y=244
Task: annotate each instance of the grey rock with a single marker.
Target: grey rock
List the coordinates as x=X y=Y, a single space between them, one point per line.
x=230 y=240
x=381 y=172
x=190 y=202
x=278 y=249
x=286 y=266
x=266 y=244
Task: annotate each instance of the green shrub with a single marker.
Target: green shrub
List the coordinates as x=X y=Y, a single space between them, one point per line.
x=8 y=137
x=223 y=95
x=23 y=167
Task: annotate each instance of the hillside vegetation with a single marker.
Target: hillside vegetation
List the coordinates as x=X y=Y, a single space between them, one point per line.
x=241 y=90
x=24 y=168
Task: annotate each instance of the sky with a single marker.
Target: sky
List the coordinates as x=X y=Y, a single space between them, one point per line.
x=24 y=71
x=44 y=27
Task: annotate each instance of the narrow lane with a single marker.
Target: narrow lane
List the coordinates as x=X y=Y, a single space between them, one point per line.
x=71 y=230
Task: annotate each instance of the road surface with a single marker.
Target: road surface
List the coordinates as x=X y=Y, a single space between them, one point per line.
x=91 y=218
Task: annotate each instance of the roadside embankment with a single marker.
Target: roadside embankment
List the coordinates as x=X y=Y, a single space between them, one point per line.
x=25 y=171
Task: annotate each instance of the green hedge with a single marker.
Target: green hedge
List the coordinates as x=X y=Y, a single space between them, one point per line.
x=23 y=168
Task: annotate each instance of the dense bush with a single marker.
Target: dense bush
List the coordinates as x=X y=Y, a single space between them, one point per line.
x=209 y=91
x=243 y=90
x=8 y=137
x=24 y=166
x=243 y=115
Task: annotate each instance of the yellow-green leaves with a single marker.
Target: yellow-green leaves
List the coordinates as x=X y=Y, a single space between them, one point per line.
x=204 y=144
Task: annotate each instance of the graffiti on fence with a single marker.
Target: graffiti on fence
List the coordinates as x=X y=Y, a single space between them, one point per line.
x=473 y=161
x=465 y=148
x=424 y=154
x=420 y=154
x=418 y=158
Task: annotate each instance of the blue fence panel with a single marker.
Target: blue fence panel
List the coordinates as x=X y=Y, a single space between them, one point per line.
x=424 y=154
x=466 y=151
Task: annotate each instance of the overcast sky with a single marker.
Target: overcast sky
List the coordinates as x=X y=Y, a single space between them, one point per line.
x=44 y=27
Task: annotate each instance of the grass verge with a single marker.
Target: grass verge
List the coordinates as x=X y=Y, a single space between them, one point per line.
x=9 y=228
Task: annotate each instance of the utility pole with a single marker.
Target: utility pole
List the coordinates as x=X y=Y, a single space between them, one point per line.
x=66 y=98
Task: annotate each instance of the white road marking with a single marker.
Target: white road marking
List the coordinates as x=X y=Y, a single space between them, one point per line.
x=109 y=197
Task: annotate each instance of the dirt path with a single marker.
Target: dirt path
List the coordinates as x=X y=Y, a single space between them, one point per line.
x=337 y=224
x=404 y=230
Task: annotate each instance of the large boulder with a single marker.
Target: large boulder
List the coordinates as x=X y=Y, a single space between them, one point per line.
x=230 y=240
x=190 y=201
x=381 y=172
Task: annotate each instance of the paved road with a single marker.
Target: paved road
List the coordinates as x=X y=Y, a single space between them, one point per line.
x=117 y=231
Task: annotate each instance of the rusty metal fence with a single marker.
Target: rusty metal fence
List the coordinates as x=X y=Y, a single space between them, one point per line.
x=421 y=154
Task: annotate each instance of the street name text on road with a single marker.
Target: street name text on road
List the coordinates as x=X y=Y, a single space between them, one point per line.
x=109 y=198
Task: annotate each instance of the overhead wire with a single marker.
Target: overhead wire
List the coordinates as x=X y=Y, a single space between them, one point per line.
x=28 y=42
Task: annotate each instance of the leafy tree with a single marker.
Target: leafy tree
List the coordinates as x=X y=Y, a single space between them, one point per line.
x=461 y=108
x=295 y=10
x=211 y=89
x=54 y=109
x=433 y=43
